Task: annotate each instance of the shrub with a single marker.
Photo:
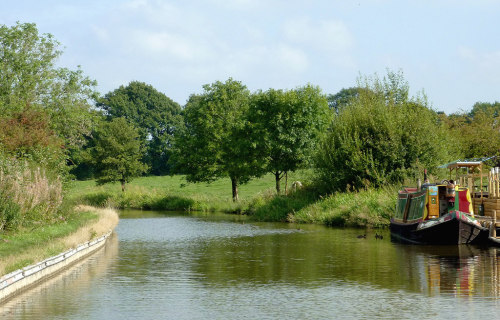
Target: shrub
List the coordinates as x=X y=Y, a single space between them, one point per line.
x=381 y=137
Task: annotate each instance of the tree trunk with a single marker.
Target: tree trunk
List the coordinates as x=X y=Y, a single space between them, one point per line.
x=278 y=180
x=123 y=185
x=234 y=185
x=286 y=182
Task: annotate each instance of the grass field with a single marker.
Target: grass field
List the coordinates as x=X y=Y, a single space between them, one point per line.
x=174 y=193
x=366 y=208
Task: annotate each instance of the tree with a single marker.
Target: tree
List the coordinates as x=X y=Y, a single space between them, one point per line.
x=215 y=141
x=29 y=79
x=477 y=131
x=156 y=116
x=381 y=137
x=286 y=127
x=27 y=135
x=486 y=108
x=117 y=152
x=342 y=98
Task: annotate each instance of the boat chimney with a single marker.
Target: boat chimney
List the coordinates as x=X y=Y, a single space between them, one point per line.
x=419 y=184
x=426 y=179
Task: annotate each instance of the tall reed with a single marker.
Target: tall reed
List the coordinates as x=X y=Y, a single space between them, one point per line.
x=27 y=194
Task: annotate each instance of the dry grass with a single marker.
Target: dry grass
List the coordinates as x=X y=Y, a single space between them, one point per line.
x=107 y=220
x=36 y=197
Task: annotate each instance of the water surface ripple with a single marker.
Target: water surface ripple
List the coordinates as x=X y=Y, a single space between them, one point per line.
x=175 y=266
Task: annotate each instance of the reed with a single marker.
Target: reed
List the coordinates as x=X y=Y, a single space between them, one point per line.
x=27 y=195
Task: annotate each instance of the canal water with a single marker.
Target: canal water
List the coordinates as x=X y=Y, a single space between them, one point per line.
x=177 y=266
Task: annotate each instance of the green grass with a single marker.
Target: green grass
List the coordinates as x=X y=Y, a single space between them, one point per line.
x=366 y=208
x=174 y=193
x=14 y=243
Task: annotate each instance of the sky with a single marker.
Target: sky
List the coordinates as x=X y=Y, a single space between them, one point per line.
x=448 y=49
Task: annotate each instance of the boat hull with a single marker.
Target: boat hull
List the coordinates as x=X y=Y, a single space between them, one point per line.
x=452 y=228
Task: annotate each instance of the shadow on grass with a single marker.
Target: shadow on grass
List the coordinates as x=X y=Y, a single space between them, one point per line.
x=278 y=208
x=170 y=203
x=97 y=199
x=131 y=200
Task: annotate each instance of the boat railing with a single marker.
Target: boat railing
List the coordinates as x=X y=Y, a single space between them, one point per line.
x=482 y=185
x=494 y=183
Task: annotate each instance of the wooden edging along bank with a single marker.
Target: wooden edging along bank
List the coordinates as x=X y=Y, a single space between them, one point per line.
x=19 y=280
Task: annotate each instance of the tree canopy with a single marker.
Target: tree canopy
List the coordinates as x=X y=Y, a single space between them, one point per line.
x=214 y=143
x=46 y=108
x=286 y=125
x=342 y=98
x=29 y=79
x=477 y=131
x=381 y=137
x=117 y=152
x=155 y=115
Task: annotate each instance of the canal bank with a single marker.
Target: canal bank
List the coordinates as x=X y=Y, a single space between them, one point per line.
x=368 y=207
x=78 y=245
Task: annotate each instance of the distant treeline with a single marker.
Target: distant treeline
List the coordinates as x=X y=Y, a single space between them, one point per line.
x=54 y=122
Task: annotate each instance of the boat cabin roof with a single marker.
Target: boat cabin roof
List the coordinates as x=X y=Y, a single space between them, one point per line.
x=461 y=164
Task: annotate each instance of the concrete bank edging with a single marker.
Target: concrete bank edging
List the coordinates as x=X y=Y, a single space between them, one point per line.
x=19 y=280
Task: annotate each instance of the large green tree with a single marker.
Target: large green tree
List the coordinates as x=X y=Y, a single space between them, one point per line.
x=343 y=98
x=286 y=126
x=156 y=116
x=382 y=137
x=478 y=131
x=39 y=101
x=215 y=141
x=117 y=152
x=30 y=79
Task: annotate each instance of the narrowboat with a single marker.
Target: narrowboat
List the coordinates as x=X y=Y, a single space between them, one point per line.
x=438 y=213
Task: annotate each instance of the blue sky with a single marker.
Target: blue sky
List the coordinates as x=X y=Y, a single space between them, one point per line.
x=449 y=49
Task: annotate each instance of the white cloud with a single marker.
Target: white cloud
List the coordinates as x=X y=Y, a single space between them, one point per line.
x=485 y=63
x=100 y=32
x=165 y=43
x=330 y=39
x=293 y=58
x=329 y=35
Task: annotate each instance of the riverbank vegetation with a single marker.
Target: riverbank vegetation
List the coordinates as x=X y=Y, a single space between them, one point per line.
x=362 y=208
x=30 y=245
x=227 y=149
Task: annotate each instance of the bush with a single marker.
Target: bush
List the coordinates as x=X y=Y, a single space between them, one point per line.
x=381 y=137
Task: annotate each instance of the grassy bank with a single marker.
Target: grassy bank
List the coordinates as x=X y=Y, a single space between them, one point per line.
x=30 y=245
x=367 y=208
x=174 y=193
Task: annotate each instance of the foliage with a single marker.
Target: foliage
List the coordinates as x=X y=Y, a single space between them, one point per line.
x=28 y=195
x=343 y=98
x=477 y=131
x=365 y=208
x=26 y=136
x=30 y=80
x=214 y=143
x=117 y=152
x=156 y=116
x=492 y=109
x=381 y=137
x=286 y=126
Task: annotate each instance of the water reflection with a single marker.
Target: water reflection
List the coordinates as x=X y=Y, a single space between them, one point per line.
x=182 y=266
x=58 y=296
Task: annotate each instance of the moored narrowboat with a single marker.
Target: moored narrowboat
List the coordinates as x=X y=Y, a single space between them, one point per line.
x=439 y=213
